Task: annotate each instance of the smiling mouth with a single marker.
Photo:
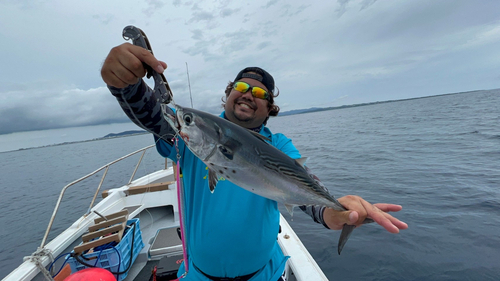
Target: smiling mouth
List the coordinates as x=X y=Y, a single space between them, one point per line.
x=244 y=105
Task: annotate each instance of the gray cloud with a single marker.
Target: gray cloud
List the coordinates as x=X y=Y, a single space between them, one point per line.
x=197 y=34
x=270 y=3
x=342 y=7
x=104 y=19
x=367 y=3
x=263 y=45
x=341 y=51
x=299 y=10
x=201 y=16
x=48 y=109
x=153 y=6
x=176 y=3
x=226 y=12
x=201 y=47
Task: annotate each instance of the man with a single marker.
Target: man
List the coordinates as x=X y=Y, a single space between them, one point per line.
x=231 y=234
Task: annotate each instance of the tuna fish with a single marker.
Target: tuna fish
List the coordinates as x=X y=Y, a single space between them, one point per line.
x=246 y=159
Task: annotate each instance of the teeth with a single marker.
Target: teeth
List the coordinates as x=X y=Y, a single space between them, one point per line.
x=244 y=105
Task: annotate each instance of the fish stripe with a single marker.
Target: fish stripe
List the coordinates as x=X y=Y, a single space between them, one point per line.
x=281 y=167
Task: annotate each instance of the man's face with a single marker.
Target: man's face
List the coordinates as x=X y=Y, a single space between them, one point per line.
x=245 y=109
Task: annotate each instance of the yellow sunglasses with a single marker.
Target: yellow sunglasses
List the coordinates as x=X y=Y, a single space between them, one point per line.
x=257 y=92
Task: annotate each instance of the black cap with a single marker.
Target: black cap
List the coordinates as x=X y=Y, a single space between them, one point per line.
x=263 y=76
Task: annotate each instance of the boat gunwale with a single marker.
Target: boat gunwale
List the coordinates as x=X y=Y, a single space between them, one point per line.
x=301 y=263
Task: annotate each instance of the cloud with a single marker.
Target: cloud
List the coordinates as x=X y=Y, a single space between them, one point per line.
x=153 y=6
x=104 y=19
x=362 y=49
x=228 y=12
x=263 y=45
x=342 y=7
x=197 y=34
x=206 y=17
x=367 y=3
x=201 y=16
x=34 y=109
x=486 y=35
x=270 y=3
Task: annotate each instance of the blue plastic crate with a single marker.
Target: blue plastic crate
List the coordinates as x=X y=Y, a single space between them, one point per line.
x=109 y=259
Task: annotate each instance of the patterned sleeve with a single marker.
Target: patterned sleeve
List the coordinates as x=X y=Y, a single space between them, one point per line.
x=141 y=105
x=316 y=212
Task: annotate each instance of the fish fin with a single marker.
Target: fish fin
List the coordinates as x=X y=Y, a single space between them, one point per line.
x=368 y=220
x=259 y=136
x=302 y=161
x=212 y=180
x=344 y=235
x=289 y=208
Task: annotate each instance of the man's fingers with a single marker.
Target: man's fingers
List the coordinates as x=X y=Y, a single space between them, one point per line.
x=360 y=209
x=336 y=219
x=354 y=203
x=130 y=66
x=114 y=81
x=145 y=56
x=388 y=207
x=390 y=223
x=396 y=222
x=124 y=65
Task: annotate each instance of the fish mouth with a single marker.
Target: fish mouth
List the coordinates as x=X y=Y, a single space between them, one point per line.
x=179 y=112
x=184 y=136
x=171 y=118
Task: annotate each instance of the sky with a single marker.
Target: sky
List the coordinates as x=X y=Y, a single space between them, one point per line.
x=321 y=53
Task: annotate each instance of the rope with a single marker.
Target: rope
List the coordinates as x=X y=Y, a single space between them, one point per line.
x=37 y=257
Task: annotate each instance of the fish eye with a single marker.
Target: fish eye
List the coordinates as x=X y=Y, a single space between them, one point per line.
x=188 y=118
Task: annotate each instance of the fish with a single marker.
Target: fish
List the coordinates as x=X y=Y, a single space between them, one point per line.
x=246 y=159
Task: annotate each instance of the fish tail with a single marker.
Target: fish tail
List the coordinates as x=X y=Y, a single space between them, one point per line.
x=344 y=235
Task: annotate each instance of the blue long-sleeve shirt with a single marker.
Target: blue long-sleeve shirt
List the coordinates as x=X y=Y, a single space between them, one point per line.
x=231 y=232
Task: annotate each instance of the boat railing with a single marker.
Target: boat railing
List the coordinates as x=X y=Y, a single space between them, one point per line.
x=105 y=167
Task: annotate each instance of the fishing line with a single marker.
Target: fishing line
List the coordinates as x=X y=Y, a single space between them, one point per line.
x=137 y=119
x=148 y=174
x=180 y=200
x=148 y=189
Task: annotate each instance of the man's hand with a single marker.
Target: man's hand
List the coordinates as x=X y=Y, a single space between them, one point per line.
x=123 y=65
x=359 y=209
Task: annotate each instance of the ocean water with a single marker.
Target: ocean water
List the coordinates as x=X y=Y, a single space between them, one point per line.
x=22 y=140
x=439 y=157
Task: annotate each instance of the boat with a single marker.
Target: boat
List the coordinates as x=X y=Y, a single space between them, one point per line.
x=147 y=214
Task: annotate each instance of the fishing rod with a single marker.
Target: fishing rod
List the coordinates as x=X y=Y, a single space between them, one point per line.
x=189 y=84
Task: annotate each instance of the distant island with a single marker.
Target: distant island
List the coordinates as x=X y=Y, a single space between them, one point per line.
x=123 y=134
x=316 y=109
x=108 y=136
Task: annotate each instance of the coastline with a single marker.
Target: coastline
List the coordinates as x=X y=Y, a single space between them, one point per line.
x=106 y=137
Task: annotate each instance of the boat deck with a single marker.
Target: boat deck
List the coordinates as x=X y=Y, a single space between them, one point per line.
x=153 y=200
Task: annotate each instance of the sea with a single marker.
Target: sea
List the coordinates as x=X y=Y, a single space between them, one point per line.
x=438 y=157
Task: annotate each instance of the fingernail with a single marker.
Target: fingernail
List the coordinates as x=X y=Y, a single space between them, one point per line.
x=160 y=68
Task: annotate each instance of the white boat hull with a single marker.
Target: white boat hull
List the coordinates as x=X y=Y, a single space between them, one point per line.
x=156 y=210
